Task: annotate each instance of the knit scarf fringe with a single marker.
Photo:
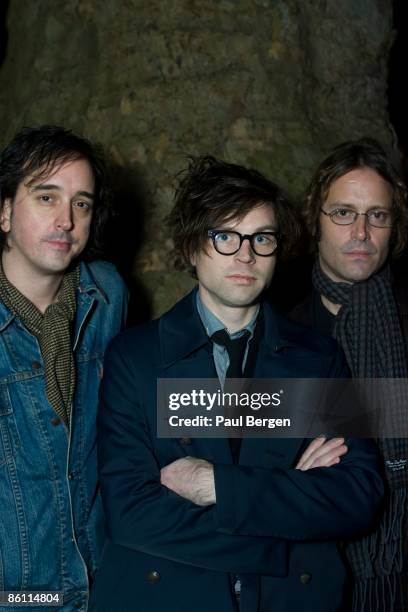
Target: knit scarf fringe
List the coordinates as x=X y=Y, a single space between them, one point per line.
x=379 y=589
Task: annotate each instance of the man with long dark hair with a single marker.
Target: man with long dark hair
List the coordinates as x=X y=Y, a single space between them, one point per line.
x=57 y=314
x=357 y=214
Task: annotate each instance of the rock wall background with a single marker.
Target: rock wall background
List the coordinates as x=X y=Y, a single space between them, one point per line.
x=271 y=84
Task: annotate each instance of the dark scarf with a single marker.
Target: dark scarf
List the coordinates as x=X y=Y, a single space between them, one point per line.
x=53 y=330
x=367 y=328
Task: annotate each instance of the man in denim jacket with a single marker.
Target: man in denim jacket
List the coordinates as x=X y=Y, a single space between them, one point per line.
x=57 y=315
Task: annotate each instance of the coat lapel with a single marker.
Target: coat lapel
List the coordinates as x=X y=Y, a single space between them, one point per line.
x=187 y=354
x=272 y=362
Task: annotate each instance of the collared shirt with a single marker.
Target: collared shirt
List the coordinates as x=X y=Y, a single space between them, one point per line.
x=212 y=324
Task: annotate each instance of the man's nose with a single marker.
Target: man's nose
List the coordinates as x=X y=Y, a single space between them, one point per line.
x=360 y=228
x=64 y=220
x=245 y=253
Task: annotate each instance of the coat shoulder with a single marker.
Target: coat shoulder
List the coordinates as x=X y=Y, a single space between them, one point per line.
x=140 y=339
x=307 y=339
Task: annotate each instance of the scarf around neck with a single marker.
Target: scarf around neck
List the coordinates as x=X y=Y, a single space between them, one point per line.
x=368 y=329
x=53 y=331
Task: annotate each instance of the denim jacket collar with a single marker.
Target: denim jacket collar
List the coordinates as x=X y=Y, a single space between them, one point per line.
x=87 y=285
x=87 y=282
x=5 y=316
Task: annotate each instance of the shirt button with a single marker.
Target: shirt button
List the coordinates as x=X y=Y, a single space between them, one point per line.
x=55 y=421
x=305 y=578
x=71 y=476
x=185 y=441
x=153 y=577
x=36 y=365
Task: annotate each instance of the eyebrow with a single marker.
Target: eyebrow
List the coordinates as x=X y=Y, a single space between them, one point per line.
x=50 y=187
x=354 y=206
x=264 y=228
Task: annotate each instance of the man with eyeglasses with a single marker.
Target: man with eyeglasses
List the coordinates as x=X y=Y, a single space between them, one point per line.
x=356 y=211
x=232 y=524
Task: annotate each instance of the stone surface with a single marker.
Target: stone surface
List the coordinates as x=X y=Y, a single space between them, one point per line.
x=272 y=84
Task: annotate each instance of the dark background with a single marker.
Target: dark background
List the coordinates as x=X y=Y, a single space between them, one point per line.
x=270 y=84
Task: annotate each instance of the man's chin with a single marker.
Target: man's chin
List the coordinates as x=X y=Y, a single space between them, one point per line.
x=56 y=265
x=359 y=273
x=240 y=301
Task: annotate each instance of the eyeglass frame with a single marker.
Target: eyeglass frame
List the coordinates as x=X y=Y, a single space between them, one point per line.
x=213 y=233
x=357 y=214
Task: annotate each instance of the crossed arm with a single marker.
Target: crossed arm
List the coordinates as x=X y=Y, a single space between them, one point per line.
x=277 y=504
x=193 y=478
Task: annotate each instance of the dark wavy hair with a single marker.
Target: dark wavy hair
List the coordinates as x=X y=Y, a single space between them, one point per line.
x=348 y=156
x=35 y=152
x=211 y=192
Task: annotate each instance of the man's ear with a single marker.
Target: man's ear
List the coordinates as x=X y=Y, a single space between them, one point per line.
x=5 y=216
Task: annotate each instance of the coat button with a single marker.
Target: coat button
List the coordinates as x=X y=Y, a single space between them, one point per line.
x=153 y=577
x=305 y=578
x=185 y=441
x=36 y=365
x=55 y=421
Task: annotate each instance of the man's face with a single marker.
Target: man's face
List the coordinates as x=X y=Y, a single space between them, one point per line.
x=236 y=281
x=352 y=253
x=47 y=223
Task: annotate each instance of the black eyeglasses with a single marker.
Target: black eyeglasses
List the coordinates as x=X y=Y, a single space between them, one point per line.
x=228 y=242
x=378 y=217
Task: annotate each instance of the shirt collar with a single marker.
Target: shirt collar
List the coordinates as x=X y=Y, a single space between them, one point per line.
x=182 y=331
x=212 y=323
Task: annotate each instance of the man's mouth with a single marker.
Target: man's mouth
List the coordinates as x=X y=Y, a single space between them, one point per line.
x=359 y=253
x=59 y=245
x=243 y=279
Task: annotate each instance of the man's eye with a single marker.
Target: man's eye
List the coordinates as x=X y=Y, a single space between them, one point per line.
x=263 y=238
x=45 y=198
x=343 y=213
x=223 y=237
x=82 y=205
x=379 y=215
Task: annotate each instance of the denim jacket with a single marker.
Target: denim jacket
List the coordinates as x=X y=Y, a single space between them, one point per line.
x=51 y=522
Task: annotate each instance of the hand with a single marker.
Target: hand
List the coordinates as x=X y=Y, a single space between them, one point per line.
x=191 y=478
x=322 y=453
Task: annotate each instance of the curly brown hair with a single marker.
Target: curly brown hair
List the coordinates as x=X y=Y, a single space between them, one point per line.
x=348 y=156
x=211 y=192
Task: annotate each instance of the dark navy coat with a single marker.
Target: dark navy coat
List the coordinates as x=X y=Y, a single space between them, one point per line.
x=273 y=525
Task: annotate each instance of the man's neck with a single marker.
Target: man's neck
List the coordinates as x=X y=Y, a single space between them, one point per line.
x=333 y=308
x=40 y=289
x=234 y=318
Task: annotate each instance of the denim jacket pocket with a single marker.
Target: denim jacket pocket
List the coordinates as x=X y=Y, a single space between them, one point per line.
x=8 y=434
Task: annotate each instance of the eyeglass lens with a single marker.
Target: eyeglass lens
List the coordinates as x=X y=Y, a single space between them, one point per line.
x=228 y=243
x=376 y=218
